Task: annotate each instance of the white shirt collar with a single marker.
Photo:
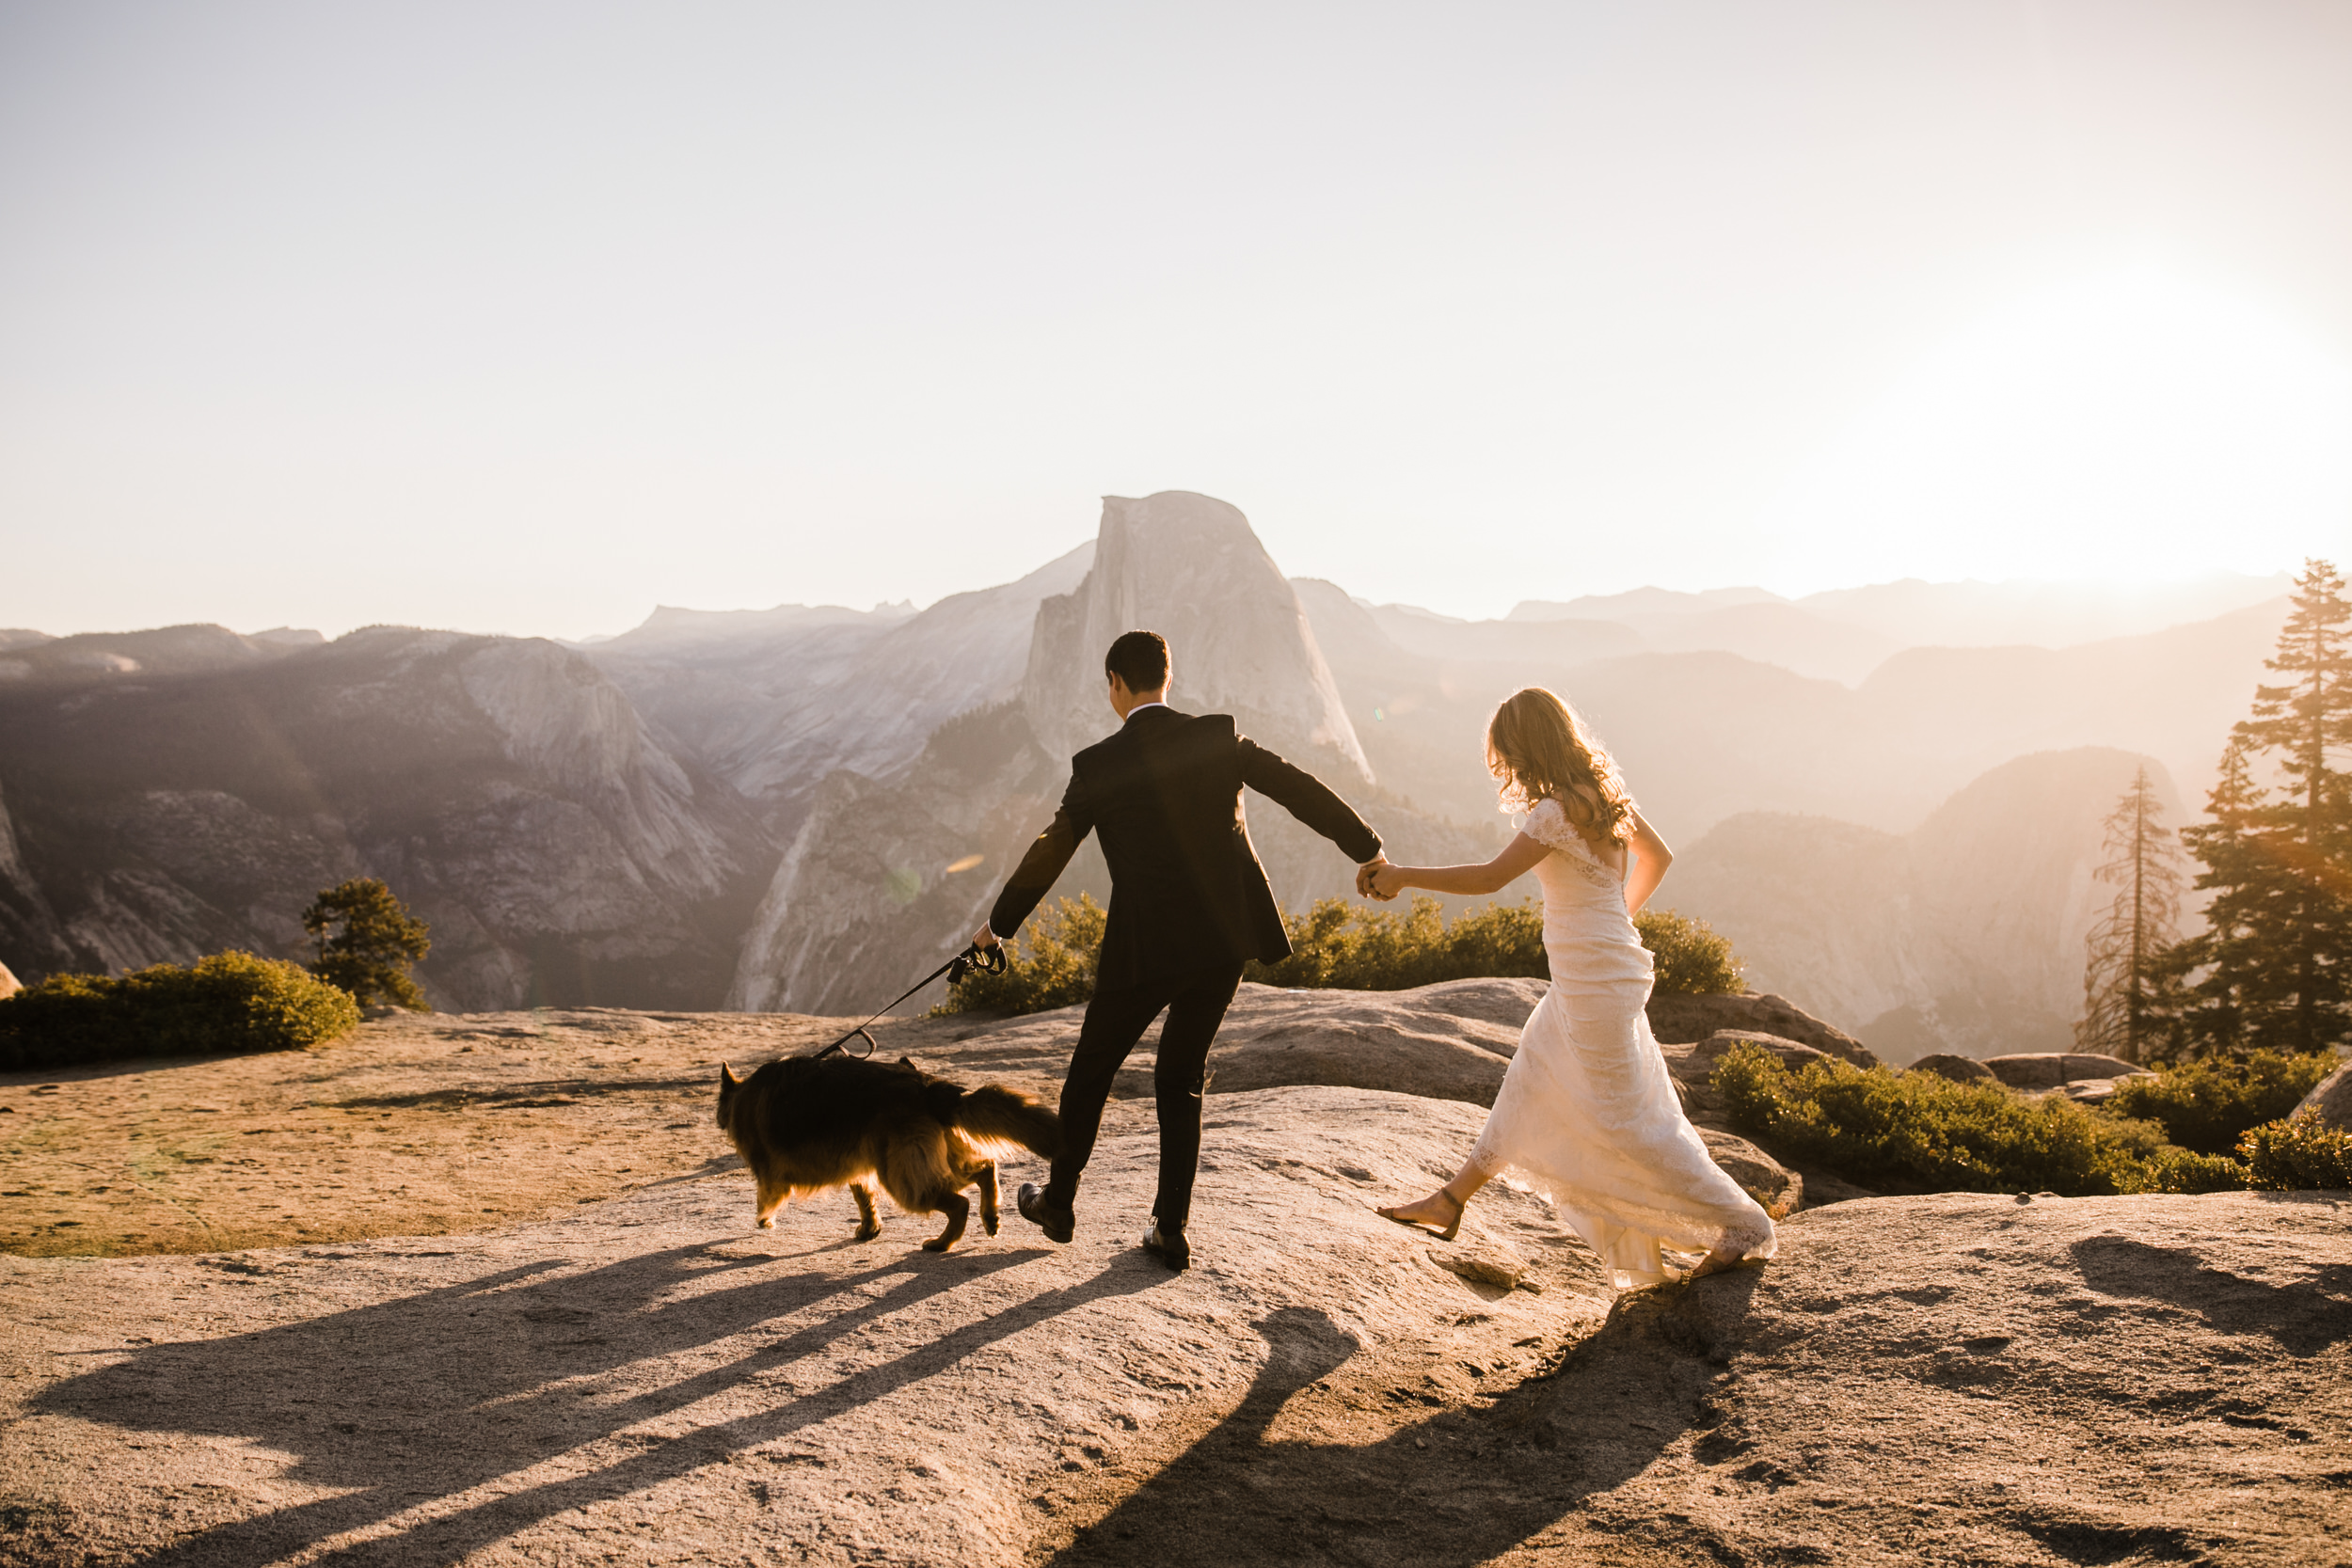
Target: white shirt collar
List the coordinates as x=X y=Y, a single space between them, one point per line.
x=1140 y=707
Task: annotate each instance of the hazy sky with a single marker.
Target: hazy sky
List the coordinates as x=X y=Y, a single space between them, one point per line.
x=526 y=317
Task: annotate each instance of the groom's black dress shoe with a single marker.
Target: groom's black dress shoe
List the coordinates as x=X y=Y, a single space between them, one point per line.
x=1170 y=1246
x=1058 y=1223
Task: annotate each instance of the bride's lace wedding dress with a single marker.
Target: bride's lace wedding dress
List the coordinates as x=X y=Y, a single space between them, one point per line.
x=1587 y=1116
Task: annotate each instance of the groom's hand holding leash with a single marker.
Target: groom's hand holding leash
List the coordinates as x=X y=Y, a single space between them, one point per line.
x=983 y=938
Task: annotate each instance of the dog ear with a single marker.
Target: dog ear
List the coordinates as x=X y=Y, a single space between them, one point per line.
x=728 y=1082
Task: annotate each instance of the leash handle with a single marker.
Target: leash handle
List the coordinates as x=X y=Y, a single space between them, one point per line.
x=974 y=958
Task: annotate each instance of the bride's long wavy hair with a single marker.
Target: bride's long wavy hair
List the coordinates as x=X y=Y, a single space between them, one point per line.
x=1536 y=746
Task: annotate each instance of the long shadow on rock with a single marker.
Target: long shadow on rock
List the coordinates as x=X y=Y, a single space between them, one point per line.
x=436 y=1394
x=1453 y=1490
x=2305 y=1318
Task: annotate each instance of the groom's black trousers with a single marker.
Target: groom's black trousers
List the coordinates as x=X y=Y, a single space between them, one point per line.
x=1116 y=1020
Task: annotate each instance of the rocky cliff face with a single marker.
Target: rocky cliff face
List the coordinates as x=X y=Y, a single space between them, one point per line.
x=28 y=926
x=776 y=702
x=885 y=880
x=505 y=788
x=886 y=877
x=1190 y=568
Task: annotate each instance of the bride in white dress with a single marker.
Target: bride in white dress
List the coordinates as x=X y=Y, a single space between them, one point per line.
x=1587 y=1116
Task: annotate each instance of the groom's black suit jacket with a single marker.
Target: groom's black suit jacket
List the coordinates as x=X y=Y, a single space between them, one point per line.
x=1186 y=889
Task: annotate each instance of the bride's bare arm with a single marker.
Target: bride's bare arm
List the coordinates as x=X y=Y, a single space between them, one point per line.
x=1650 y=858
x=1517 y=858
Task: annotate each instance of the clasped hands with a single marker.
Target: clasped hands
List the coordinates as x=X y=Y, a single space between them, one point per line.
x=1378 y=880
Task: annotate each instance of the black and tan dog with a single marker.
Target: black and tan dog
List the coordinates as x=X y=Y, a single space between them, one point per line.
x=807 y=1123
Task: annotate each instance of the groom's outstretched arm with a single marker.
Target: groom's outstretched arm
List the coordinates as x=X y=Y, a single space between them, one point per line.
x=1310 y=799
x=1049 y=852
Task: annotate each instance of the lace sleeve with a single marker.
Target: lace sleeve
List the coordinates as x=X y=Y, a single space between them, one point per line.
x=1549 y=825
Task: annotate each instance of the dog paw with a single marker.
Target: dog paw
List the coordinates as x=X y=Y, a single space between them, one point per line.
x=935 y=1244
x=766 y=1221
x=868 y=1232
x=988 y=1224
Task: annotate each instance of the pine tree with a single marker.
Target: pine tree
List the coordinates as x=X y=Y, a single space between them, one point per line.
x=366 y=941
x=2129 y=988
x=2276 y=958
x=2213 y=1018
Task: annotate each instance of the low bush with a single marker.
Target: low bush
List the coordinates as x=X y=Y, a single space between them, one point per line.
x=2208 y=1104
x=1917 y=1133
x=1052 y=967
x=2297 y=1154
x=2170 y=1169
x=1344 y=947
x=230 y=1001
x=1693 y=959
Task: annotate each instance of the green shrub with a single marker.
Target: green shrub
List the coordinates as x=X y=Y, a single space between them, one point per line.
x=2207 y=1104
x=1692 y=959
x=230 y=1001
x=1052 y=967
x=2182 y=1170
x=2297 y=1154
x=1339 y=945
x=1917 y=1133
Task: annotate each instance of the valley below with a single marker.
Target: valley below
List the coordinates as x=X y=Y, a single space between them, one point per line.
x=1888 y=798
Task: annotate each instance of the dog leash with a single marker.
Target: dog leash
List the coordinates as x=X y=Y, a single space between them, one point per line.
x=973 y=959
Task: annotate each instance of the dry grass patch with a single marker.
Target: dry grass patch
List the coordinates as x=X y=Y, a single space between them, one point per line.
x=416 y=1125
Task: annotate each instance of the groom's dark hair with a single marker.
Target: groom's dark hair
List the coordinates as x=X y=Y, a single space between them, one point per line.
x=1140 y=658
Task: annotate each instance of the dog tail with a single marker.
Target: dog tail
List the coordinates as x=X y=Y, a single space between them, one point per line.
x=993 y=1114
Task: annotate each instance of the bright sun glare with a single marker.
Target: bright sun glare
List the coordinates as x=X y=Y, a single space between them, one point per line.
x=2131 y=424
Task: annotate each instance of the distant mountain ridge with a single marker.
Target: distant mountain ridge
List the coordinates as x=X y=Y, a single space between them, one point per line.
x=508 y=791
x=1844 y=633
x=798 y=807
x=1707 y=734
x=37 y=658
x=671 y=625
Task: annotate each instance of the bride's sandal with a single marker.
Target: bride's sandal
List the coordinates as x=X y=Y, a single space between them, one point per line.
x=1448 y=1234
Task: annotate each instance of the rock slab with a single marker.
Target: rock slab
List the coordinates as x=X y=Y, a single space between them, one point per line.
x=2042 y=1071
x=1773 y=1184
x=1960 y=1070
x=1956 y=1379
x=1677 y=1019
x=2330 y=1099
x=650 y=1380
x=2094 y=1379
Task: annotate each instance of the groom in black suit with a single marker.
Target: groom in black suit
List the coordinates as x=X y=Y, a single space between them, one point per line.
x=1189 y=905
